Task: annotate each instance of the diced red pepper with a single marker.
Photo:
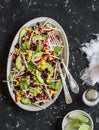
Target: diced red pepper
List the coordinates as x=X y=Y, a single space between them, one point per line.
x=52 y=53
x=42 y=97
x=43 y=58
x=49 y=30
x=32 y=46
x=16 y=98
x=38 y=61
x=39 y=29
x=53 y=89
x=14 y=56
x=29 y=34
x=44 y=45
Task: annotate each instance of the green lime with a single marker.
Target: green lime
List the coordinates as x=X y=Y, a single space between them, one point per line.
x=68 y=127
x=75 y=123
x=80 y=117
x=84 y=127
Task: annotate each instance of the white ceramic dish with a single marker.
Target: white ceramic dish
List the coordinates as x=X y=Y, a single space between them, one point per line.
x=66 y=120
x=65 y=55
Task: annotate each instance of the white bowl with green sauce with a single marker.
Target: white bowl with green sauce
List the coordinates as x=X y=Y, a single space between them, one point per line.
x=65 y=56
x=77 y=120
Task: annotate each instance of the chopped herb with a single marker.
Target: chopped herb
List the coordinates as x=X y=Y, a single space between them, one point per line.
x=57 y=50
x=52 y=85
x=31 y=66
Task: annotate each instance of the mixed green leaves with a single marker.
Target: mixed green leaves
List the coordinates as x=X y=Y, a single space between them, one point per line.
x=56 y=85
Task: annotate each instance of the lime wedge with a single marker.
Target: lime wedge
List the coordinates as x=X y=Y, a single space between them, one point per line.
x=85 y=127
x=80 y=117
x=75 y=123
x=68 y=127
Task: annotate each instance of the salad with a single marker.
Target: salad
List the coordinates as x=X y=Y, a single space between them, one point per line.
x=34 y=75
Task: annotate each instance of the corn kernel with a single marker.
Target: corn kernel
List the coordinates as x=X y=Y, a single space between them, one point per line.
x=28 y=77
x=32 y=72
x=18 y=98
x=18 y=95
x=39 y=66
x=21 y=52
x=46 y=50
x=50 y=58
x=17 y=83
x=52 y=92
x=34 y=78
x=34 y=94
x=60 y=42
x=17 y=50
x=43 y=63
x=48 y=80
x=28 y=51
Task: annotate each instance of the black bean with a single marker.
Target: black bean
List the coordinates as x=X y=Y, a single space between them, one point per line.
x=46 y=70
x=61 y=65
x=17 y=46
x=59 y=60
x=52 y=96
x=14 y=91
x=57 y=37
x=45 y=75
x=53 y=64
x=33 y=27
x=38 y=24
x=33 y=99
x=58 y=77
x=45 y=33
x=17 y=88
x=34 y=48
x=41 y=103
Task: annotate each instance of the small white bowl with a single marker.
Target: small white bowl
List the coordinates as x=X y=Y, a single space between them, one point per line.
x=66 y=120
x=65 y=56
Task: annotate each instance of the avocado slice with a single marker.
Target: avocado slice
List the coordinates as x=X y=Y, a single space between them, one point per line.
x=39 y=47
x=37 y=91
x=38 y=54
x=23 y=32
x=38 y=75
x=24 y=84
x=50 y=68
x=24 y=46
x=58 y=84
x=25 y=100
x=19 y=65
x=38 y=37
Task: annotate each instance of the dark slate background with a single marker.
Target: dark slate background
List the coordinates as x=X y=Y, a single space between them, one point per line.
x=80 y=19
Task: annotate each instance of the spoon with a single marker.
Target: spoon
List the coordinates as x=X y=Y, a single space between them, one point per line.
x=73 y=85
